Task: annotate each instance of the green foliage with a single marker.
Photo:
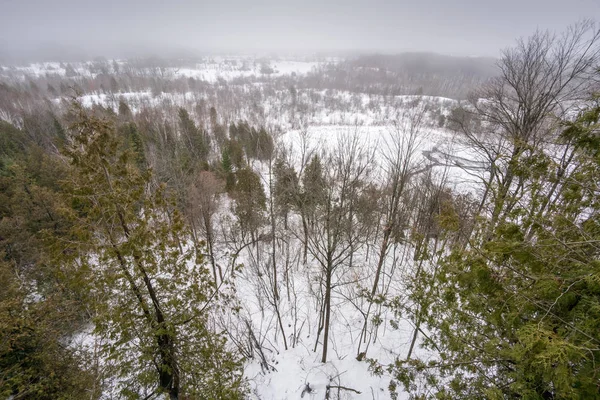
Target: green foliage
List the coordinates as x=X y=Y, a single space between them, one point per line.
x=264 y=145
x=13 y=143
x=34 y=362
x=196 y=140
x=227 y=170
x=235 y=152
x=124 y=111
x=257 y=144
x=151 y=293
x=41 y=301
x=313 y=186
x=133 y=140
x=516 y=314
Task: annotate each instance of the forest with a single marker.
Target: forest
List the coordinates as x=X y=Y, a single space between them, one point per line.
x=374 y=227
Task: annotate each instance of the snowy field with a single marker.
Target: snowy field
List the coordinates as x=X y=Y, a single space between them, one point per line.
x=210 y=70
x=299 y=368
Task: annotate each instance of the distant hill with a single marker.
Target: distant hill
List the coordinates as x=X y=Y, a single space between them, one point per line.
x=430 y=64
x=407 y=73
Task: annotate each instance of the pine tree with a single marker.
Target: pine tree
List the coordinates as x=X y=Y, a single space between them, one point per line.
x=312 y=195
x=134 y=141
x=227 y=170
x=195 y=139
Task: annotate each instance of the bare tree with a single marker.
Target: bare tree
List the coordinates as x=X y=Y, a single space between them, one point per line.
x=335 y=232
x=400 y=164
x=201 y=206
x=542 y=80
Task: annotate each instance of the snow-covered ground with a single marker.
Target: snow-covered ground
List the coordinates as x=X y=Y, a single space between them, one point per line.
x=299 y=368
x=326 y=118
x=439 y=146
x=298 y=371
x=85 y=69
x=212 y=72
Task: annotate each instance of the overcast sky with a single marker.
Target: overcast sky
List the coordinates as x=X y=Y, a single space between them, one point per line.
x=463 y=27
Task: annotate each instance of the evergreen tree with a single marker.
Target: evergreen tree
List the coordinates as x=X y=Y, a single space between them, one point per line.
x=233 y=131
x=286 y=188
x=312 y=194
x=196 y=140
x=154 y=318
x=250 y=201
x=313 y=186
x=41 y=301
x=133 y=140
x=227 y=170
x=264 y=145
x=516 y=314
x=124 y=111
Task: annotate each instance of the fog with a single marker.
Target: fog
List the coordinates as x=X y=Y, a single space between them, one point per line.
x=76 y=28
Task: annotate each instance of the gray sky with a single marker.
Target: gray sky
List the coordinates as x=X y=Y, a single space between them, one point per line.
x=101 y=27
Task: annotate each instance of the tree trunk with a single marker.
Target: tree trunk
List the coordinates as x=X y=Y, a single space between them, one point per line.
x=305 y=244
x=327 y=309
x=382 y=252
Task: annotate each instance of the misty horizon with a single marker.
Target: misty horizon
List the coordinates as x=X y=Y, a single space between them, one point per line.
x=68 y=29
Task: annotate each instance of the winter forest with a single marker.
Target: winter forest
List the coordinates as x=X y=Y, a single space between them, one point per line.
x=367 y=226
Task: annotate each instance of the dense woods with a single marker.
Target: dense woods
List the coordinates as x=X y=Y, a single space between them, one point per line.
x=165 y=236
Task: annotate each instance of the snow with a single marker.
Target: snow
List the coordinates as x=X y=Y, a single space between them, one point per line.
x=439 y=145
x=300 y=365
x=330 y=117
x=293 y=369
x=210 y=70
x=213 y=72
x=46 y=69
x=290 y=371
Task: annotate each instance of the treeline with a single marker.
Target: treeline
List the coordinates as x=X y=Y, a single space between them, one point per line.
x=294 y=101
x=406 y=74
